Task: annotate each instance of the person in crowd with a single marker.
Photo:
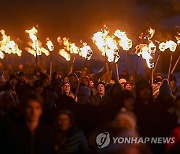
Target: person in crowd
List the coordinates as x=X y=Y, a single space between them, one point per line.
x=86 y=81
x=126 y=119
x=125 y=75
x=165 y=98
x=177 y=108
x=127 y=101
x=71 y=139
x=57 y=76
x=73 y=79
x=166 y=102
x=66 y=78
x=33 y=136
x=66 y=90
x=145 y=109
x=22 y=87
x=84 y=95
x=115 y=90
x=45 y=79
x=13 y=80
x=38 y=87
x=122 y=81
x=128 y=86
x=175 y=89
x=156 y=86
x=100 y=98
x=2 y=81
x=8 y=104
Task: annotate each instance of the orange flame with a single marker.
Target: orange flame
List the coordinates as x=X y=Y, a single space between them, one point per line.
x=143 y=51
x=107 y=45
x=71 y=47
x=86 y=51
x=124 y=41
x=49 y=44
x=168 y=44
x=151 y=33
x=65 y=54
x=35 y=44
x=8 y=46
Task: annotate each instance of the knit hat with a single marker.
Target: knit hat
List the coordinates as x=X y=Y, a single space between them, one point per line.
x=165 y=88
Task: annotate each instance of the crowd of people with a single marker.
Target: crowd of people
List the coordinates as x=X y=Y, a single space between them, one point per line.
x=64 y=113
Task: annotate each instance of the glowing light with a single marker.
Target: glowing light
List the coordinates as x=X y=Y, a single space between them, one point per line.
x=64 y=54
x=124 y=41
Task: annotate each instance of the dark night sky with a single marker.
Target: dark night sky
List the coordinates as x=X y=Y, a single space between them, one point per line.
x=79 y=19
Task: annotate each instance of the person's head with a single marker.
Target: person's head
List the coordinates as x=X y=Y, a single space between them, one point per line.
x=13 y=79
x=126 y=119
x=66 y=87
x=65 y=120
x=128 y=86
x=115 y=90
x=8 y=101
x=2 y=79
x=86 y=81
x=66 y=79
x=38 y=87
x=158 y=76
x=84 y=94
x=158 y=81
x=73 y=79
x=143 y=90
x=122 y=81
x=32 y=107
x=172 y=81
x=45 y=79
x=101 y=88
x=21 y=76
x=128 y=100
x=165 y=90
x=56 y=75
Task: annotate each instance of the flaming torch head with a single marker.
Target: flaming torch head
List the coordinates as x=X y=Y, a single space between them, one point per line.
x=86 y=51
x=64 y=54
x=124 y=41
x=49 y=44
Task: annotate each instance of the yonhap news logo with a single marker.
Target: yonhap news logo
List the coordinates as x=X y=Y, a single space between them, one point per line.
x=103 y=140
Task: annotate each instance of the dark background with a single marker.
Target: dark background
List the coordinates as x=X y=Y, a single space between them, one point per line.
x=79 y=19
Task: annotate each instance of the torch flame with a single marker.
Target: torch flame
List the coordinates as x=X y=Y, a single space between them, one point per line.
x=8 y=46
x=49 y=44
x=35 y=44
x=143 y=50
x=107 y=45
x=151 y=33
x=86 y=51
x=124 y=41
x=65 y=54
x=71 y=47
x=168 y=44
